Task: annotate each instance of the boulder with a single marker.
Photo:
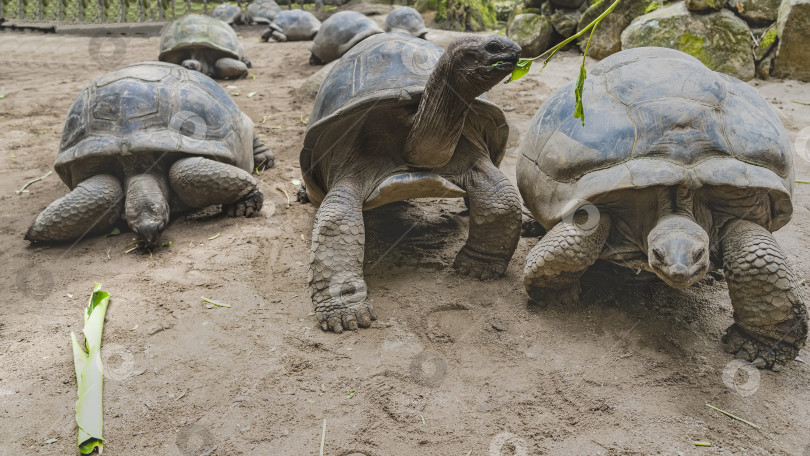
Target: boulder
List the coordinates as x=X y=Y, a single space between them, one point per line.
x=565 y=21
x=792 y=59
x=767 y=40
x=607 y=39
x=533 y=3
x=721 y=40
x=504 y=9
x=465 y=15
x=705 y=5
x=755 y=12
x=532 y=32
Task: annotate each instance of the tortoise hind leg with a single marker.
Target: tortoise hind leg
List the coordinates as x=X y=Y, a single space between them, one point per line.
x=336 y=260
x=555 y=264
x=228 y=68
x=93 y=206
x=199 y=182
x=494 y=222
x=770 y=318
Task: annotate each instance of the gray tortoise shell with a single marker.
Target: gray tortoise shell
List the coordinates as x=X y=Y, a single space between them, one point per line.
x=263 y=11
x=227 y=13
x=197 y=31
x=382 y=72
x=149 y=108
x=654 y=117
x=341 y=32
x=297 y=24
x=405 y=20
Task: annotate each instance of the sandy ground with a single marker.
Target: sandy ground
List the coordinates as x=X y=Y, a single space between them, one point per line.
x=453 y=366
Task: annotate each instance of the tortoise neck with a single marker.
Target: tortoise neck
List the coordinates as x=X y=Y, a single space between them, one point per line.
x=439 y=121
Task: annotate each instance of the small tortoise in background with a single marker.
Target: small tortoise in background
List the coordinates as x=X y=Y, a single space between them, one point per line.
x=398 y=118
x=293 y=25
x=341 y=32
x=678 y=169
x=406 y=20
x=204 y=44
x=146 y=140
x=229 y=14
x=262 y=11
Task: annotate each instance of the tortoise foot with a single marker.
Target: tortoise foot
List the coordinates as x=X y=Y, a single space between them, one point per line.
x=337 y=317
x=478 y=265
x=248 y=206
x=770 y=354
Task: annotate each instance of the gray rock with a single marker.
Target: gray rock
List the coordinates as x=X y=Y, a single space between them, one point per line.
x=792 y=58
x=547 y=9
x=532 y=32
x=565 y=21
x=766 y=41
x=721 y=40
x=504 y=9
x=755 y=12
x=607 y=39
x=705 y=5
x=533 y=3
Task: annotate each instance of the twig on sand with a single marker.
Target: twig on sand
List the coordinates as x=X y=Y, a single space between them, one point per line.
x=218 y=304
x=323 y=435
x=280 y=188
x=730 y=415
x=32 y=181
x=702 y=444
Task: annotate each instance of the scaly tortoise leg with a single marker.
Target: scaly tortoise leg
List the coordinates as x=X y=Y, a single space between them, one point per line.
x=770 y=318
x=494 y=223
x=555 y=264
x=199 y=182
x=262 y=157
x=92 y=207
x=228 y=68
x=336 y=260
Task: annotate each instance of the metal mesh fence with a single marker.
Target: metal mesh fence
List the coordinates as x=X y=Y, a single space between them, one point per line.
x=100 y=11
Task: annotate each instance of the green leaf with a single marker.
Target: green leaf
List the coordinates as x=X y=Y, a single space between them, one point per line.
x=522 y=67
x=114 y=232
x=251 y=95
x=579 y=112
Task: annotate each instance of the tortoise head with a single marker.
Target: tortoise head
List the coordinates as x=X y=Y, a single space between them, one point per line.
x=192 y=64
x=147 y=206
x=477 y=63
x=678 y=250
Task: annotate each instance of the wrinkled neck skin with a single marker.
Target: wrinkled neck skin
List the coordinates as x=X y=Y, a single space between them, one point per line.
x=439 y=121
x=147 y=202
x=678 y=247
x=197 y=62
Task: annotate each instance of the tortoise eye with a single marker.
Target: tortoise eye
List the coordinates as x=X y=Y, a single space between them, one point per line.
x=659 y=255
x=493 y=48
x=698 y=255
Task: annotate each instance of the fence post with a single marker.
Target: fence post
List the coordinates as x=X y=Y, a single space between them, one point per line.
x=174 y=16
x=205 y=6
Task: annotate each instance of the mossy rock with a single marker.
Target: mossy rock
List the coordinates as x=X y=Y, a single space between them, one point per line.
x=607 y=39
x=533 y=32
x=504 y=9
x=465 y=15
x=565 y=21
x=767 y=41
x=755 y=12
x=721 y=40
x=792 y=52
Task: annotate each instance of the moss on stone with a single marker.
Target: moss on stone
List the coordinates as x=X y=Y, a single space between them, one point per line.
x=466 y=15
x=769 y=38
x=652 y=7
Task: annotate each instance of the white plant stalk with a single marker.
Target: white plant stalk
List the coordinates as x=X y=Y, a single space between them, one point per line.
x=90 y=373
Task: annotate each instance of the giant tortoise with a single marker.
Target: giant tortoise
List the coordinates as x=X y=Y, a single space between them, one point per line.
x=339 y=33
x=146 y=140
x=398 y=118
x=204 y=44
x=678 y=169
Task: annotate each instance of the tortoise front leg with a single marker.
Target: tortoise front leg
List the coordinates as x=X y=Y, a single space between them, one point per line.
x=556 y=263
x=228 y=68
x=263 y=158
x=93 y=206
x=770 y=318
x=199 y=182
x=494 y=222
x=336 y=260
